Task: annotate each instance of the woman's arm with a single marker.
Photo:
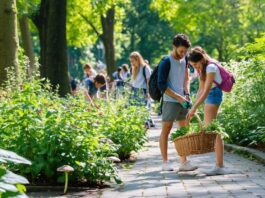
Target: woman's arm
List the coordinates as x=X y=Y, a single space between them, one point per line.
x=200 y=90
x=206 y=89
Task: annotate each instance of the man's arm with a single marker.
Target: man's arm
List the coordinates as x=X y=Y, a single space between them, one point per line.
x=173 y=94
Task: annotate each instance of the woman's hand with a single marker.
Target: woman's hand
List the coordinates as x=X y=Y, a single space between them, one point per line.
x=191 y=113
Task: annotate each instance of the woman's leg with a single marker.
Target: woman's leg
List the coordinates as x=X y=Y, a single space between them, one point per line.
x=210 y=113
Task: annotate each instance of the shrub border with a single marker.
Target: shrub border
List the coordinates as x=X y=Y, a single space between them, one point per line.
x=246 y=152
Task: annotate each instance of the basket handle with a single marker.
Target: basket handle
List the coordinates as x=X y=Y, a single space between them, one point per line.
x=200 y=122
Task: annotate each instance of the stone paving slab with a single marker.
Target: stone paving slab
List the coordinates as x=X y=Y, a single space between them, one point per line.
x=145 y=178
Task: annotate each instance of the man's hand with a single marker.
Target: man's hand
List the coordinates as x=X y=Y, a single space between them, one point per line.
x=182 y=99
x=187 y=97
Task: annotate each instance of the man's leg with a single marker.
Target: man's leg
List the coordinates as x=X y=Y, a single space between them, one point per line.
x=181 y=124
x=163 y=142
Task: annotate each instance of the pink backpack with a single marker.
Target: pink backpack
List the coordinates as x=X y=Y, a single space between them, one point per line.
x=228 y=79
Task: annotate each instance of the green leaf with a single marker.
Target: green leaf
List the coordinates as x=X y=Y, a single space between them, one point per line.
x=21 y=188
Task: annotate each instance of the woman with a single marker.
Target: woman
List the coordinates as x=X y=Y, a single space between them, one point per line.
x=140 y=77
x=211 y=94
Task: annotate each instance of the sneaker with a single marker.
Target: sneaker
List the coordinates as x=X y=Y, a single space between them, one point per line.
x=147 y=125
x=166 y=167
x=186 y=166
x=152 y=124
x=216 y=171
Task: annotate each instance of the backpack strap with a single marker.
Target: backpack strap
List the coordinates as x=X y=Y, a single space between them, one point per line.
x=218 y=66
x=167 y=65
x=186 y=60
x=144 y=74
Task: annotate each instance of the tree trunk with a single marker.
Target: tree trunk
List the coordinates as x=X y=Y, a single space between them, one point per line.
x=27 y=43
x=41 y=22
x=51 y=23
x=107 y=36
x=8 y=38
x=132 y=40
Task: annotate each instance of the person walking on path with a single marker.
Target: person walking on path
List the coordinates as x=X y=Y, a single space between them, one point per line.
x=173 y=81
x=212 y=95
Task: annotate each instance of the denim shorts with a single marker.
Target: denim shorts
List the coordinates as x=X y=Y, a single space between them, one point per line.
x=215 y=96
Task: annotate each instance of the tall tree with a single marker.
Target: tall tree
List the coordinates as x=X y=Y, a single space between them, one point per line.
x=8 y=38
x=103 y=18
x=27 y=43
x=148 y=33
x=25 y=9
x=51 y=23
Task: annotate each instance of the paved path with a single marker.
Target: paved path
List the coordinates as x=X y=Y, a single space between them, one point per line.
x=145 y=179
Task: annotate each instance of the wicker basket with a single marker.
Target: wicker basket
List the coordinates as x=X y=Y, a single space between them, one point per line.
x=196 y=143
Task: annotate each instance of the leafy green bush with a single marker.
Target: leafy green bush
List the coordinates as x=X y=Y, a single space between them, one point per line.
x=243 y=110
x=52 y=132
x=11 y=184
x=124 y=125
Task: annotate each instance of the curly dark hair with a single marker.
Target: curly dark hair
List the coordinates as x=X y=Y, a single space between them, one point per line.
x=181 y=40
x=100 y=78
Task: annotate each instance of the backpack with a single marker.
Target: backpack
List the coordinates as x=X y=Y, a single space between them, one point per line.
x=154 y=91
x=228 y=79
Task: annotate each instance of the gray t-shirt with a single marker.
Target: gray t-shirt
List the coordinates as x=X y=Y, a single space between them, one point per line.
x=140 y=81
x=176 y=78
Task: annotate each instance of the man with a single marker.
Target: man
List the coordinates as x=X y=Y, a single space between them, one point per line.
x=92 y=87
x=173 y=81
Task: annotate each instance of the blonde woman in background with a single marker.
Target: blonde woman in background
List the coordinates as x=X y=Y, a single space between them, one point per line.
x=141 y=73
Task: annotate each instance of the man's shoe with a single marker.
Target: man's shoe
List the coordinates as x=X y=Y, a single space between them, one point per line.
x=186 y=166
x=167 y=167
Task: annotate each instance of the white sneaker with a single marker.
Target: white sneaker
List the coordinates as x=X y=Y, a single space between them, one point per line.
x=167 y=167
x=186 y=166
x=216 y=171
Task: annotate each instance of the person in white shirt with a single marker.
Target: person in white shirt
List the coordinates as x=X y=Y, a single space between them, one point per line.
x=210 y=93
x=141 y=73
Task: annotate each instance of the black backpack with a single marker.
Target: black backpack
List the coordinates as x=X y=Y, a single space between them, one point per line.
x=154 y=91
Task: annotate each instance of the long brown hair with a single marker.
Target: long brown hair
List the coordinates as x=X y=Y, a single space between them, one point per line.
x=140 y=62
x=198 y=54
